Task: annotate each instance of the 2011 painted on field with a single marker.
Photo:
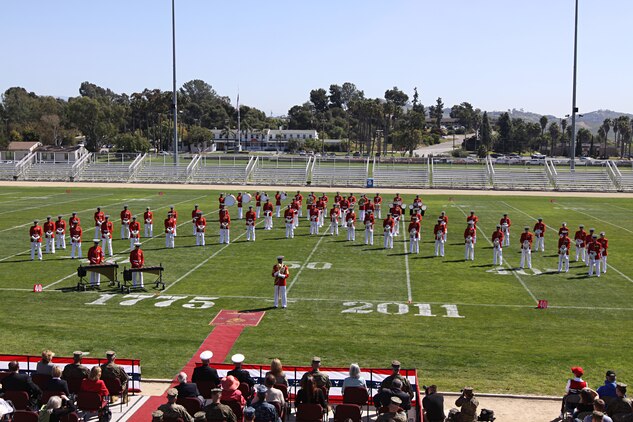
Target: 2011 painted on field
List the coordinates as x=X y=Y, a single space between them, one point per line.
x=395 y=308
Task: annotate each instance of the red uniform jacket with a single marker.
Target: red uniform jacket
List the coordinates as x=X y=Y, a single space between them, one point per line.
x=351 y=217
x=137 y=259
x=170 y=224
x=344 y=204
x=498 y=235
x=580 y=235
x=335 y=213
x=221 y=201
x=563 y=230
x=445 y=218
x=258 y=200
x=283 y=271
x=289 y=214
x=506 y=221
x=439 y=230
x=377 y=200
x=106 y=229
x=238 y=198
x=299 y=198
x=325 y=199
x=369 y=206
x=225 y=220
x=36 y=231
x=135 y=230
x=541 y=227
x=126 y=216
x=596 y=248
x=250 y=218
x=174 y=214
x=369 y=218
x=469 y=232
x=526 y=236
x=148 y=217
x=95 y=255
x=352 y=200
x=75 y=234
x=74 y=221
x=49 y=227
x=60 y=224
x=99 y=217
x=320 y=204
x=268 y=206
x=389 y=222
x=201 y=225
x=338 y=199
x=397 y=199
x=314 y=214
x=604 y=243
x=295 y=205
x=277 y=199
x=564 y=241
x=414 y=226
x=194 y=213
x=362 y=202
x=472 y=218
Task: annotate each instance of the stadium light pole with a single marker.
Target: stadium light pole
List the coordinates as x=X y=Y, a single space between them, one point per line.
x=574 y=109
x=175 y=96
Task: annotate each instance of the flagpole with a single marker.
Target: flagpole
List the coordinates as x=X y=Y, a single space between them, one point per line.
x=574 y=109
x=175 y=97
x=239 y=132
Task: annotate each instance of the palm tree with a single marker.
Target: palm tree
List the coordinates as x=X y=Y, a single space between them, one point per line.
x=606 y=127
x=563 y=134
x=616 y=129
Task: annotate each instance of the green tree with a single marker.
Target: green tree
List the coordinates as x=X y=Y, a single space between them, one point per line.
x=92 y=118
x=543 y=122
x=131 y=142
x=436 y=112
x=319 y=99
x=486 y=132
x=583 y=136
x=336 y=96
x=465 y=114
x=563 y=135
x=606 y=127
x=505 y=132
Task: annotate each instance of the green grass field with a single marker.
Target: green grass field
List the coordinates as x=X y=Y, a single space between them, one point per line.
x=348 y=302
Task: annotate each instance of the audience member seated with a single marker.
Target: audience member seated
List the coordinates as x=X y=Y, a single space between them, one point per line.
x=264 y=411
x=597 y=416
x=395 y=412
x=354 y=379
x=249 y=414
x=321 y=379
x=200 y=417
x=242 y=375
x=620 y=409
x=310 y=393
x=111 y=370
x=216 y=411
x=20 y=382
x=230 y=390
x=205 y=372
x=467 y=404
x=383 y=398
x=188 y=389
x=272 y=394
x=157 y=416
x=433 y=405
x=608 y=389
x=45 y=366
x=173 y=410
x=56 y=383
x=56 y=408
x=574 y=386
x=278 y=372
x=76 y=369
x=395 y=374
x=95 y=384
x=587 y=397
x=599 y=406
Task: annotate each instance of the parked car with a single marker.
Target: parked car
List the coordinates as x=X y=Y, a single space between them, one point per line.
x=538 y=156
x=357 y=154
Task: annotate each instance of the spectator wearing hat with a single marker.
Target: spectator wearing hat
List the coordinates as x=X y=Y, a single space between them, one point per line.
x=394 y=413
x=467 y=404
x=251 y=219
x=264 y=411
x=433 y=404
x=354 y=379
x=272 y=394
x=587 y=397
x=204 y=372
x=199 y=417
x=188 y=389
x=385 y=394
x=574 y=386
x=230 y=390
x=216 y=411
x=249 y=414
x=157 y=416
x=111 y=371
x=49 y=233
x=45 y=365
x=599 y=406
x=608 y=389
x=321 y=379
x=395 y=374
x=16 y=381
x=242 y=375
x=277 y=370
x=76 y=369
x=35 y=234
x=172 y=410
x=310 y=393
x=620 y=409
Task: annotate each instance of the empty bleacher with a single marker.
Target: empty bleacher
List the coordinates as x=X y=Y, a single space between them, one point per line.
x=626 y=180
x=219 y=169
x=460 y=176
x=49 y=171
x=7 y=170
x=339 y=172
x=401 y=173
x=108 y=168
x=161 y=173
x=280 y=171
x=583 y=179
x=520 y=177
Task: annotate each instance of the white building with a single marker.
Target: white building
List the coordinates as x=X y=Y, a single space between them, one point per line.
x=261 y=140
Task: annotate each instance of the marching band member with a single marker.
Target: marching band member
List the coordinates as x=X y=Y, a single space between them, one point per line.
x=444 y=218
x=378 y=204
x=250 y=224
x=335 y=215
x=497 y=246
x=338 y=198
x=361 y=206
x=296 y=207
x=238 y=198
x=344 y=209
x=135 y=232
x=396 y=213
x=397 y=199
x=414 y=235
x=95 y=257
x=299 y=199
x=526 y=248
x=268 y=215
x=74 y=220
x=388 y=227
x=36 y=233
x=563 y=252
x=505 y=227
x=289 y=216
x=99 y=216
x=369 y=206
x=539 y=234
x=417 y=202
x=415 y=212
x=49 y=234
x=604 y=246
x=60 y=233
x=258 y=204
x=594 y=255
x=472 y=217
x=106 y=235
x=221 y=200
x=350 y=219
x=438 y=232
x=369 y=228
x=579 y=238
x=148 y=217
x=563 y=229
x=281 y=272
x=314 y=219
x=174 y=215
x=322 y=206
x=311 y=201
x=225 y=226
x=126 y=216
x=194 y=217
x=352 y=200
x=469 y=235
x=588 y=240
x=75 y=241
x=170 y=225
x=201 y=228
x=137 y=260
x=278 y=204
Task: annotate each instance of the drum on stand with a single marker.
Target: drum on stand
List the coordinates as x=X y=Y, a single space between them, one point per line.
x=230 y=200
x=246 y=198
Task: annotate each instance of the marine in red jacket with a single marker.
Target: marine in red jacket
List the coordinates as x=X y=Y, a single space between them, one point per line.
x=526 y=236
x=99 y=217
x=564 y=241
x=36 y=232
x=74 y=220
x=470 y=231
x=539 y=228
x=563 y=229
x=414 y=225
x=472 y=217
x=137 y=258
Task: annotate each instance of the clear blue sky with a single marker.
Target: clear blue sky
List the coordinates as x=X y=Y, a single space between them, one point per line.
x=496 y=54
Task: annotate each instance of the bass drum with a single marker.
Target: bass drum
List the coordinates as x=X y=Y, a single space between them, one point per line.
x=264 y=197
x=246 y=198
x=283 y=196
x=230 y=200
x=423 y=210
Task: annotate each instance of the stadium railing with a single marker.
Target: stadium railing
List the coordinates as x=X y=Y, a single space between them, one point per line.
x=221 y=169
x=584 y=178
x=401 y=172
x=339 y=172
x=23 y=165
x=520 y=177
x=279 y=171
x=624 y=172
x=460 y=176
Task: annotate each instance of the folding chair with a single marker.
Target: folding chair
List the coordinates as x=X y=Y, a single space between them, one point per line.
x=71 y=417
x=41 y=380
x=90 y=402
x=204 y=387
x=236 y=407
x=24 y=416
x=309 y=412
x=192 y=404
x=116 y=389
x=356 y=395
x=47 y=394
x=344 y=411
x=284 y=390
x=20 y=399
x=279 y=409
x=74 y=384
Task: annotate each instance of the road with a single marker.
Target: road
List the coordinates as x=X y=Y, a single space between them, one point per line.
x=446 y=146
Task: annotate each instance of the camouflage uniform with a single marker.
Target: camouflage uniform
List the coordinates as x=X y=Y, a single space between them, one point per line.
x=399 y=416
x=175 y=411
x=406 y=385
x=321 y=379
x=468 y=411
x=112 y=370
x=219 y=411
x=75 y=370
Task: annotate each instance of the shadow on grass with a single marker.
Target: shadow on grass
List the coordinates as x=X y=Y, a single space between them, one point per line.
x=425 y=257
x=398 y=254
x=248 y=311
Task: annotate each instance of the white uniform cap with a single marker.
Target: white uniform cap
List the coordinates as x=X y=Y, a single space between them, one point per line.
x=238 y=358
x=206 y=355
x=96 y=240
x=137 y=244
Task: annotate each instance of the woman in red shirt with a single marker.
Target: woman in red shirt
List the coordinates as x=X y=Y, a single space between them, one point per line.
x=94 y=383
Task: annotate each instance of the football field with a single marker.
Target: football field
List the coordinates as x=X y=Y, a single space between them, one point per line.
x=458 y=322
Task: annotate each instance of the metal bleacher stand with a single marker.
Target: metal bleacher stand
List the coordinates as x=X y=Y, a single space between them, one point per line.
x=333 y=171
x=280 y=171
x=406 y=172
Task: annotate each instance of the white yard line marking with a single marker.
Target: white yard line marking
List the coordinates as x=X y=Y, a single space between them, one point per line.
x=59 y=281
x=307 y=260
x=56 y=203
x=206 y=260
x=626 y=277
x=601 y=220
x=406 y=264
x=15 y=254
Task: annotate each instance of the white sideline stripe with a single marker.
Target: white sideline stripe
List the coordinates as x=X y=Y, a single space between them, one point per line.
x=626 y=277
x=15 y=254
x=406 y=264
x=596 y=218
x=206 y=260
x=505 y=261
x=59 y=281
x=56 y=203
x=17 y=198
x=307 y=260
x=129 y=412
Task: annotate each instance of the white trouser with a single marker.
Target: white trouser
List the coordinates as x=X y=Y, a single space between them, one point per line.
x=320 y=218
x=314 y=227
x=351 y=233
x=125 y=231
x=169 y=240
x=580 y=254
x=295 y=220
x=133 y=240
x=444 y=235
x=268 y=222
x=469 y=251
x=362 y=215
x=506 y=238
x=137 y=279
x=334 y=228
x=300 y=212
x=563 y=261
x=290 y=230
x=497 y=256
x=414 y=244
x=388 y=239
x=225 y=236
x=474 y=240
x=379 y=212
x=95 y=278
x=343 y=216
x=278 y=210
x=239 y=212
x=526 y=258
x=594 y=264
x=439 y=247
x=76 y=246
x=36 y=246
x=107 y=246
x=603 y=264
x=200 y=241
x=194 y=229
x=149 y=230
x=258 y=209
x=175 y=228
x=369 y=236
x=540 y=244
x=60 y=241
x=50 y=244
x=97 y=232
x=250 y=233
x=397 y=226
x=280 y=291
